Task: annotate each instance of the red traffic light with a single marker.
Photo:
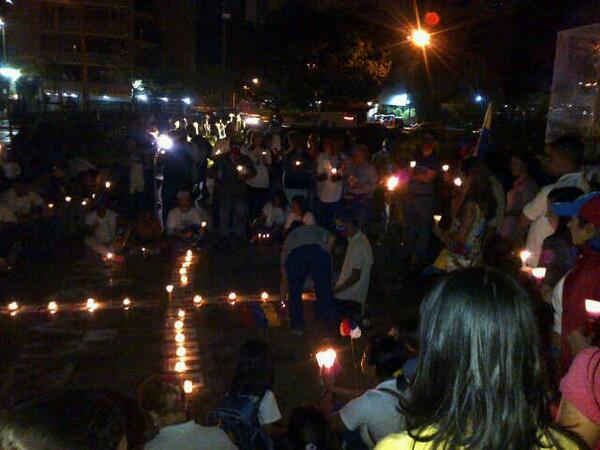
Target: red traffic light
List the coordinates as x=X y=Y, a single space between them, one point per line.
x=432 y=18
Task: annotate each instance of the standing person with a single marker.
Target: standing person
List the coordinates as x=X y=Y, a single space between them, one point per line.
x=176 y=174
x=232 y=171
x=361 y=182
x=298 y=168
x=583 y=281
x=563 y=160
x=480 y=381
x=164 y=401
x=419 y=204
x=352 y=286
x=137 y=178
x=307 y=251
x=258 y=187
x=329 y=183
x=523 y=190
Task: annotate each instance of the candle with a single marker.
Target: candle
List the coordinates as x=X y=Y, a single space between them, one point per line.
x=84 y=203
x=180 y=366
x=240 y=168
x=126 y=303
x=268 y=236
x=188 y=387
x=181 y=313
x=232 y=297
x=182 y=271
x=445 y=167
x=413 y=164
x=169 y=289
x=91 y=305
x=184 y=280
x=458 y=182
x=333 y=172
x=13 y=307
x=297 y=163
x=67 y=199
x=197 y=300
x=179 y=337
x=538 y=273
x=50 y=205
x=181 y=352
x=437 y=218
x=144 y=251
x=52 y=307
x=524 y=255
x=264 y=296
x=326 y=358
x=189 y=253
x=203 y=224
x=107 y=184
x=392 y=183
x=188 y=258
x=178 y=325
x=109 y=256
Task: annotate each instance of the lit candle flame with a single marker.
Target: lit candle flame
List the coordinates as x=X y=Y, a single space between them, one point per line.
x=91 y=305
x=524 y=255
x=182 y=271
x=264 y=296
x=239 y=168
x=437 y=218
x=197 y=300
x=178 y=325
x=458 y=182
x=84 y=203
x=184 y=280
x=181 y=352
x=109 y=256
x=326 y=358
x=539 y=272
x=298 y=163
x=180 y=366
x=413 y=164
x=204 y=224
x=445 y=167
x=52 y=307
x=232 y=297
x=13 y=306
x=181 y=313
x=50 y=205
x=592 y=307
x=68 y=199
x=169 y=288
x=334 y=171
x=392 y=182
x=188 y=387
x=107 y=184
x=179 y=337
x=126 y=303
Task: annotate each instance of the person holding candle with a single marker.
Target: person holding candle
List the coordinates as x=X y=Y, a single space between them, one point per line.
x=329 y=182
x=258 y=187
x=164 y=401
x=583 y=280
x=360 y=184
x=419 y=203
x=102 y=226
x=563 y=160
x=232 y=171
x=480 y=380
x=184 y=222
x=374 y=414
x=298 y=168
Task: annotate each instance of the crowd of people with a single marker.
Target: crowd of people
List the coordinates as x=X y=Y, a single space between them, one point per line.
x=484 y=369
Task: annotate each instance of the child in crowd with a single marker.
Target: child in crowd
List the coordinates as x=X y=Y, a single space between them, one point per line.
x=102 y=231
x=273 y=216
x=300 y=213
x=164 y=401
x=374 y=414
x=250 y=396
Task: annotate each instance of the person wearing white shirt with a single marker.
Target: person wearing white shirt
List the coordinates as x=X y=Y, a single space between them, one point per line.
x=164 y=402
x=185 y=220
x=563 y=160
x=329 y=183
x=352 y=286
x=258 y=186
x=299 y=213
x=103 y=230
x=374 y=414
x=21 y=201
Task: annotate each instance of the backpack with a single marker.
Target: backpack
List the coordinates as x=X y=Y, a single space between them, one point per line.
x=237 y=415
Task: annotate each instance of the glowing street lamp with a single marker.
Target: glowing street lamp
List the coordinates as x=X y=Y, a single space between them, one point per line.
x=420 y=38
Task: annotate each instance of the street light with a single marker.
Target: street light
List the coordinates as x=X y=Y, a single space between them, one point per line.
x=420 y=38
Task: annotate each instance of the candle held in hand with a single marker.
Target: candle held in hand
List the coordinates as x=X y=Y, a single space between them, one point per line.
x=326 y=358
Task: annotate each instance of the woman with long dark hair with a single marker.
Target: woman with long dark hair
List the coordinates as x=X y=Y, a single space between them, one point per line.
x=480 y=379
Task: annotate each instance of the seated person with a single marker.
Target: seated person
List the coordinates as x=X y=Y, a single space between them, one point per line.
x=273 y=216
x=185 y=221
x=102 y=231
x=375 y=413
x=23 y=202
x=164 y=401
x=299 y=213
x=147 y=231
x=407 y=333
x=352 y=286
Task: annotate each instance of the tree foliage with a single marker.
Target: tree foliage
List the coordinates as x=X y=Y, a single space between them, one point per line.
x=330 y=56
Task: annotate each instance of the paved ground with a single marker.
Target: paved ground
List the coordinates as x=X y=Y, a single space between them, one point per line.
x=116 y=349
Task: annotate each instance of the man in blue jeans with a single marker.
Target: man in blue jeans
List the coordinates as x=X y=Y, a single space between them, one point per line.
x=307 y=251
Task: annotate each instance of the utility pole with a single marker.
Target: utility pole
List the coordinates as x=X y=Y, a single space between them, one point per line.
x=85 y=95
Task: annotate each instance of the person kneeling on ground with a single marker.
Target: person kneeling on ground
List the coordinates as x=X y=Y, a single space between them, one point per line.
x=352 y=286
x=185 y=222
x=374 y=414
x=102 y=226
x=164 y=401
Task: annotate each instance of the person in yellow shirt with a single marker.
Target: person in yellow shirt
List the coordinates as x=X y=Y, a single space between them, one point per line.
x=480 y=380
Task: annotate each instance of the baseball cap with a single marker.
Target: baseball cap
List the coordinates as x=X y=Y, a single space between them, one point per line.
x=587 y=206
